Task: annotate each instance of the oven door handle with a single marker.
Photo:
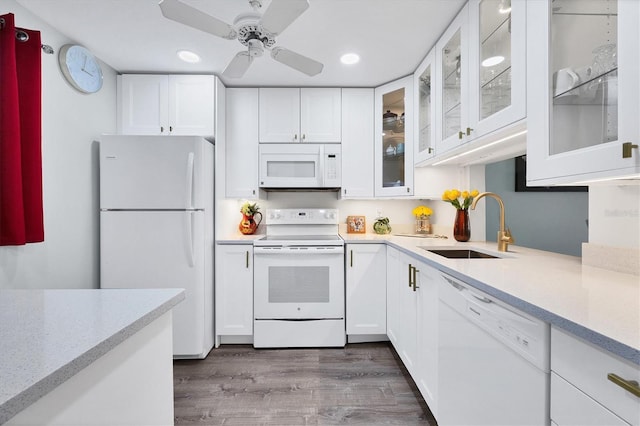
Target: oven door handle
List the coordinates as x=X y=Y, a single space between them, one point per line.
x=289 y=250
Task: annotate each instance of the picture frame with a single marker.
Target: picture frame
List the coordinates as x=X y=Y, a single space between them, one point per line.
x=356 y=225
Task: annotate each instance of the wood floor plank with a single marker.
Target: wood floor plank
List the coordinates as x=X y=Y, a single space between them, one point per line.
x=238 y=385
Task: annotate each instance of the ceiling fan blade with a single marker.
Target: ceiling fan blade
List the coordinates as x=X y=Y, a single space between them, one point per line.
x=297 y=61
x=238 y=65
x=187 y=15
x=281 y=13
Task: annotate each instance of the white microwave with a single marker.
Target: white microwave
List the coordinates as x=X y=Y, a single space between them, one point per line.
x=300 y=166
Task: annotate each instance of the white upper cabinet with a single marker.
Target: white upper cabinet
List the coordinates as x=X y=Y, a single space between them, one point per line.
x=497 y=64
x=300 y=115
x=166 y=104
x=425 y=107
x=357 y=143
x=394 y=138
x=241 y=143
x=584 y=86
x=481 y=79
x=452 y=84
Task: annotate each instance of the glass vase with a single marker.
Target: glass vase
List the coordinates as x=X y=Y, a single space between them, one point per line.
x=461 y=228
x=423 y=226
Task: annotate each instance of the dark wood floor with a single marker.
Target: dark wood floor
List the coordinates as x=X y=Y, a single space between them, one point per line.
x=362 y=383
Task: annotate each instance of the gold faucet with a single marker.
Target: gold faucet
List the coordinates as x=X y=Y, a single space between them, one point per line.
x=504 y=235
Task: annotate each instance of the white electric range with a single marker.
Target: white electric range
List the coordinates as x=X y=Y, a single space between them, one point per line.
x=299 y=280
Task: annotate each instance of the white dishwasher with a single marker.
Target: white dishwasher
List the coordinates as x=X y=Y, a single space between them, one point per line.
x=493 y=361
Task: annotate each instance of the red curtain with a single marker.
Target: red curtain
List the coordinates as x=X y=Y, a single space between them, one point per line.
x=21 y=211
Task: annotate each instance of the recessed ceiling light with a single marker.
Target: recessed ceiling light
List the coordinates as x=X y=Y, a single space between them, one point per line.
x=188 y=56
x=505 y=6
x=350 y=58
x=492 y=61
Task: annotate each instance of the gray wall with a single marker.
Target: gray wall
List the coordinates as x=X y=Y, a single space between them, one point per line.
x=71 y=122
x=551 y=221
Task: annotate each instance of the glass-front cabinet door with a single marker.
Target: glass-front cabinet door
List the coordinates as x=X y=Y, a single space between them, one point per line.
x=497 y=50
x=452 y=84
x=394 y=138
x=587 y=89
x=424 y=99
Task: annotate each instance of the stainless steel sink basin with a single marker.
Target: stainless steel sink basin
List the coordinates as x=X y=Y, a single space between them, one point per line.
x=460 y=253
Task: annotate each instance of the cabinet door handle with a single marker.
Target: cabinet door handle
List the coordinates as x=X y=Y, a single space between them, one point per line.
x=304 y=136
x=627 y=148
x=414 y=278
x=430 y=150
x=351 y=262
x=628 y=385
x=247 y=259
x=161 y=129
x=469 y=130
x=253 y=192
x=460 y=134
x=295 y=137
x=410 y=275
x=170 y=129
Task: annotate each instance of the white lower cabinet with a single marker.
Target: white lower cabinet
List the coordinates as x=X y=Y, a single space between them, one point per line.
x=412 y=316
x=583 y=384
x=234 y=290
x=366 y=289
x=393 y=303
x=427 y=323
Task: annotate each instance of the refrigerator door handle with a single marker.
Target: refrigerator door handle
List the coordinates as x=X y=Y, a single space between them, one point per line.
x=190 y=238
x=190 y=179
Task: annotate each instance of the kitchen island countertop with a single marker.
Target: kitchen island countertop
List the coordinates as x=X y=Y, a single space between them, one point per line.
x=50 y=335
x=598 y=305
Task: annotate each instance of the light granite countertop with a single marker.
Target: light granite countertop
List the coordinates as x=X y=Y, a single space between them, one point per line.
x=49 y=335
x=598 y=305
x=237 y=238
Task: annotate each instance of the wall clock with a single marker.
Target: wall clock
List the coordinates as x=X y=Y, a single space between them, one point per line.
x=80 y=68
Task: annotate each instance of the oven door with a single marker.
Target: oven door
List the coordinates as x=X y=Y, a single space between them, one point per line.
x=299 y=282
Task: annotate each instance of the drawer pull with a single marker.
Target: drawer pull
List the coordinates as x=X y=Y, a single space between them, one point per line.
x=628 y=385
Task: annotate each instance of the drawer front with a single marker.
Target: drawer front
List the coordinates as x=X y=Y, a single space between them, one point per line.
x=587 y=367
x=570 y=406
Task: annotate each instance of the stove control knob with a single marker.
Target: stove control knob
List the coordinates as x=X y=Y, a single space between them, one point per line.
x=274 y=215
x=330 y=215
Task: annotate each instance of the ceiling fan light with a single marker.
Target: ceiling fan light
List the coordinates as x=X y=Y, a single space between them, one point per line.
x=188 y=56
x=492 y=61
x=350 y=58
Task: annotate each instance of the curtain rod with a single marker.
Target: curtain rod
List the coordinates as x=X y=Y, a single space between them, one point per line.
x=23 y=36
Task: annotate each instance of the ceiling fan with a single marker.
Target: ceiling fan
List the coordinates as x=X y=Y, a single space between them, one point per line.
x=252 y=29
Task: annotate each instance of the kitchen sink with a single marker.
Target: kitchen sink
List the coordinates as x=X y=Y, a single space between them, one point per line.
x=460 y=253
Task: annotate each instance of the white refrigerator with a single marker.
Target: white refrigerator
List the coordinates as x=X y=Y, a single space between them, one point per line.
x=156 y=226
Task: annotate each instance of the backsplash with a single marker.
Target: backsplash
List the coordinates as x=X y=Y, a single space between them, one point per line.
x=397 y=210
x=614 y=227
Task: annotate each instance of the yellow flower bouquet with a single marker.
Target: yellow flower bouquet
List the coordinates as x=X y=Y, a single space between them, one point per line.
x=459 y=200
x=422 y=212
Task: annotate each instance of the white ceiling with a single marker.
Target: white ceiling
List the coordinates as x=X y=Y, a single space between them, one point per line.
x=391 y=36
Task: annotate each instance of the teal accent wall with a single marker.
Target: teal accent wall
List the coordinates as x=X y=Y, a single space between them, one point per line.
x=551 y=221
